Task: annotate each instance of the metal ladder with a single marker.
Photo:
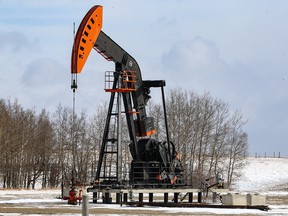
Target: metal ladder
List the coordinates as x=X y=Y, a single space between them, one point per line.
x=109 y=166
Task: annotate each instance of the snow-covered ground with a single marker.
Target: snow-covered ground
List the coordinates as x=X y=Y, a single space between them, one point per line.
x=267 y=176
x=263 y=174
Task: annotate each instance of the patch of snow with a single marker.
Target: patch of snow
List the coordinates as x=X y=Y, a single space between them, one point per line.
x=30 y=200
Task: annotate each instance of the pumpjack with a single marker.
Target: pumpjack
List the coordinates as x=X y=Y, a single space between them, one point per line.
x=154 y=163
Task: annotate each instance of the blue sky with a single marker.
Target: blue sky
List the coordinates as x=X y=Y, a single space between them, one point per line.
x=237 y=50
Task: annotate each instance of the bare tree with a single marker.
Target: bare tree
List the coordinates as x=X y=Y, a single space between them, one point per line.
x=96 y=128
x=236 y=146
x=61 y=163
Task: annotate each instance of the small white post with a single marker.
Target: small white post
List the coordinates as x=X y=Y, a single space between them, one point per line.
x=85 y=205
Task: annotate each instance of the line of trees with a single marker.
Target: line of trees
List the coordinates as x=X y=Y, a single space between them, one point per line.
x=48 y=147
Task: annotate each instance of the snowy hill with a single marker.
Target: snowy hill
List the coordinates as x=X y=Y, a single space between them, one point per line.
x=263 y=174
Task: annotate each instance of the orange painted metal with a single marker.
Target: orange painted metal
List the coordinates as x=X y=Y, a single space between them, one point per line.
x=151 y=132
x=85 y=38
x=148 y=133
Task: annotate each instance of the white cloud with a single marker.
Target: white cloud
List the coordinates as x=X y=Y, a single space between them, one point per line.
x=191 y=54
x=195 y=63
x=14 y=41
x=45 y=83
x=43 y=73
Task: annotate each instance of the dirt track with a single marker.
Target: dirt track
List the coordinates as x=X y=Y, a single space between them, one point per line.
x=95 y=211
x=58 y=211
